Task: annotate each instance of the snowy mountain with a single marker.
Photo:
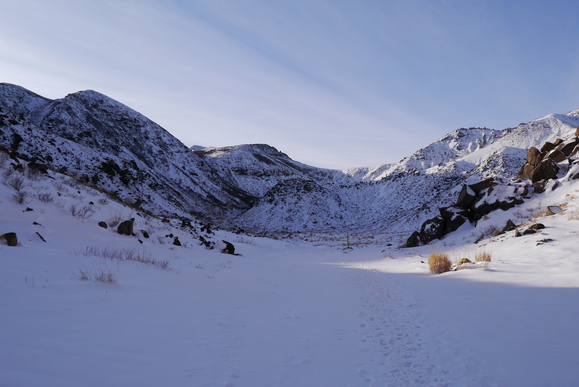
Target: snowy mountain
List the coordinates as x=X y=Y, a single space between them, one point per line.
x=133 y=292
x=109 y=146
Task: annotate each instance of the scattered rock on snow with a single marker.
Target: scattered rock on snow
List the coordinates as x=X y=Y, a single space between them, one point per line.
x=11 y=238
x=126 y=227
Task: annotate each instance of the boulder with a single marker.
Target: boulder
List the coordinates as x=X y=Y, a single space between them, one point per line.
x=432 y=229
x=533 y=156
x=413 y=240
x=466 y=197
x=526 y=171
x=536 y=226
x=103 y=224
x=556 y=155
x=11 y=239
x=553 y=210
x=226 y=247
x=176 y=241
x=482 y=185
x=126 y=227
x=510 y=226
x=568 y=146
x=547 y=169
x=547 y=147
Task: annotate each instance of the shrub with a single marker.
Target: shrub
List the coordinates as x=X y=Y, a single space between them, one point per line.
x=439 y=263
x=45 y=197
x=21 y=197
x=16 y=182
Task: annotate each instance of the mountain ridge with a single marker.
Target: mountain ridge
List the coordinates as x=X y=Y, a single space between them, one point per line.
x=255 y=186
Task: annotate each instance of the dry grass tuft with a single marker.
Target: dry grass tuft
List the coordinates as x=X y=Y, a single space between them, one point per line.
x=439 y=263
x=483 y=257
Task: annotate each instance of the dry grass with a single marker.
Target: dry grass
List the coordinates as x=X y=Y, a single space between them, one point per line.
x=484 y=259
x=439 y=263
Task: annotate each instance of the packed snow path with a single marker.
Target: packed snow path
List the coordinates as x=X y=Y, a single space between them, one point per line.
x=280 y=315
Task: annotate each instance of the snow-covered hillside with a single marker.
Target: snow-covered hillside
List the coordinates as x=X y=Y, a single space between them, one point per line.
x=82 y=305
x=109 y=146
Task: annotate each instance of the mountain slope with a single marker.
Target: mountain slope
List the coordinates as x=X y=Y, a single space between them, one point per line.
x=106 y=144
x=113 y=147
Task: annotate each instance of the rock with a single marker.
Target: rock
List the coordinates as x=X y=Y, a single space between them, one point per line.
x=517 y=233
x=126 y=227
x=547 y=169
x=454 y=223
x=226 y=247
x=526 y=171
x=547 y=147
x=533 y=156
x=413 y=240
x=536 y=226
x=553 y=210
x=577 y=132
x=482 y=185
x=539 y=187
x=145 y=234
x=466 y=197
x=176 y=241
x=432 y=229
x=11 y=239
x=529 y=231
x=556 y=155
x=568 y=146
x=103 y=224
x=510 y=226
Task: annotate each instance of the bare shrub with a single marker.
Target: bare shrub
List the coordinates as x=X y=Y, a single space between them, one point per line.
x=105 y=277
x=83 y=275
x=16 y=182
x=132 y=254
x=84 y=212
x=33 y=174
x=59 y=185
x=439 y=263
x=45 y=197
x=116 y=218
x=103 y=201
x=21 y=197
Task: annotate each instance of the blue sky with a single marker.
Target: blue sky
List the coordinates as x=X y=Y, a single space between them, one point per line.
x=333 y=84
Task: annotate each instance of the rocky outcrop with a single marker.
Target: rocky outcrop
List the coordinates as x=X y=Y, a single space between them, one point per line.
x=542 y=164
x=473 y=202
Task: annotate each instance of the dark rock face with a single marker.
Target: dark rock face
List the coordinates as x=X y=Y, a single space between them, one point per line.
x=475 y=201
x=413 y=240
x=11 y=239
x=126 y=227
x=432 y=229
x=547 y=169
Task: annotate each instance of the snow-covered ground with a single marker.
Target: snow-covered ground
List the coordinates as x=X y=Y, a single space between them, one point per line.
x=284 y=312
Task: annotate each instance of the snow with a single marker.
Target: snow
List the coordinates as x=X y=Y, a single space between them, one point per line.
x=284 y=312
